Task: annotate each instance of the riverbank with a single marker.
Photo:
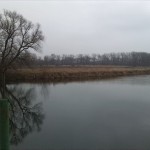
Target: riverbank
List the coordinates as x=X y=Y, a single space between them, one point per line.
x=55 y=74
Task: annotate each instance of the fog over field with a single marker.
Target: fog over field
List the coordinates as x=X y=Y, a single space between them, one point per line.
x=87 y=27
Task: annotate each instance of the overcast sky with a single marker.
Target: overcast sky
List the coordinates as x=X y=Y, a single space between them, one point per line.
x=84 y=26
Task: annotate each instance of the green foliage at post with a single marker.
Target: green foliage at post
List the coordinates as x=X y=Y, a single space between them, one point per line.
x=4 y=125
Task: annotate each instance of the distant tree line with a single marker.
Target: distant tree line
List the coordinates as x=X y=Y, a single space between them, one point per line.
x=120 y=59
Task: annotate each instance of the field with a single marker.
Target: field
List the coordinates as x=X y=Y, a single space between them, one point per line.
x=68 y=73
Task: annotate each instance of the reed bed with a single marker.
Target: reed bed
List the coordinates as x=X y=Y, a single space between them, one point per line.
x=53 y=74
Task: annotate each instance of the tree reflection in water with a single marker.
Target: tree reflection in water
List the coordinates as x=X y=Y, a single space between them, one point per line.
x=25 y=114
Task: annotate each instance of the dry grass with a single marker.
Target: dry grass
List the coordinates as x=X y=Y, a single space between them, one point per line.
x=72 y=73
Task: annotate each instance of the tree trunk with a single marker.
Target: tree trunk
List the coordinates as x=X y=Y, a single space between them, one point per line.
x=3 y=83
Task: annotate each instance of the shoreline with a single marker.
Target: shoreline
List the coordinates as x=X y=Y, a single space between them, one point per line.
x=81 y=73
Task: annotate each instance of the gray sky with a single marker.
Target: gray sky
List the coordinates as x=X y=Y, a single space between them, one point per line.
x=84 y=26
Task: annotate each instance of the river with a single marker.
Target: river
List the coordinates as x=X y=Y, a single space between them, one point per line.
x=111 y=114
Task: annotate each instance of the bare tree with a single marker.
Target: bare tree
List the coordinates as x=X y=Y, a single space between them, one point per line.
x=17 y=36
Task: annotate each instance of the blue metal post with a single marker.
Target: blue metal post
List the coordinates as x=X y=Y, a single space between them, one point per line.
x=4 y=125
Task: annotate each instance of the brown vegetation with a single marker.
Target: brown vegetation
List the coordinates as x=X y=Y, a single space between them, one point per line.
x=72 y=73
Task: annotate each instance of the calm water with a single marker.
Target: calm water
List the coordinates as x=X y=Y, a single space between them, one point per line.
x=97 y=115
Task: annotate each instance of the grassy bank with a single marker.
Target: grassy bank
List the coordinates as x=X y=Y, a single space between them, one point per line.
x=72 y=73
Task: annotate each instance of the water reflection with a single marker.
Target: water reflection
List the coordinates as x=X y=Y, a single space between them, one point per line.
x=25 y=114
x=104 y=115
